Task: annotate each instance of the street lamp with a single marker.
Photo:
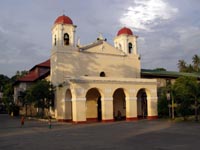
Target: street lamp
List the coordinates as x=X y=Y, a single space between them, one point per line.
x=172 y=105
x=168 y=99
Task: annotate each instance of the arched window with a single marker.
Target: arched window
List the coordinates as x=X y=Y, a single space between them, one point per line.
x=120 y=46
x=55 y=40
x=66 y=39
x=102 y=74
x=130 y=48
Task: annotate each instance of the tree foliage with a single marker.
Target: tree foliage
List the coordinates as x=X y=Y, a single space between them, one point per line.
x=163 y=110
x=160 y=69
x=194 y=67
x=41 y=94
x=186 y=94
x=3 y=81
x=6 y=87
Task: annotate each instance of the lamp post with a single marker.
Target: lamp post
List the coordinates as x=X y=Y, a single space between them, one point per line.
x=168 y=99
x=172 y=105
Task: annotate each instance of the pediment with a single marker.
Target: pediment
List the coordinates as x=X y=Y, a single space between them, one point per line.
x=102 y=47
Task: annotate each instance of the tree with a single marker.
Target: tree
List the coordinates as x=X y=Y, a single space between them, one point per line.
x=18 y=75
x=196 y=62
x=182 y=65
x=42 y=94
x=163 y=110
x=26 y=99
x=3 y=81
x=186 y=93
x=194 y=67
x=160 y=69
x=8 y=97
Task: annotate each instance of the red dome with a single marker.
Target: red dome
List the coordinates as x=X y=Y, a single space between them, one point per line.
x=125 y=30
x=63 y=20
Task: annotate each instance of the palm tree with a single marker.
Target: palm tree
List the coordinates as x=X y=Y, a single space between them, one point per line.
x=190 y=69
x=182 y=65
x=196 y=62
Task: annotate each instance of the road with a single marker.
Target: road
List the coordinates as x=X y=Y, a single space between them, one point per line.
x=135 y=135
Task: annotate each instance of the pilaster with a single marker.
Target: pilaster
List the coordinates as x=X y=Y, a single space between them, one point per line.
x=79 y=109
x=107 y=109
x=131 y=108
x=152 y=107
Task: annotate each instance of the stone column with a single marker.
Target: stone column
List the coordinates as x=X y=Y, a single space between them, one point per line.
x=107 y=109
x=152 y=107
x=68 y=110
x=131 y=108
x=59 y=104
x=79 y=110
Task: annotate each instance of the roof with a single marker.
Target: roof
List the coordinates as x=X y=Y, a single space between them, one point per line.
x=96 y=43
x=45 y=64
x=63 y=20
x=39 y=71
x=30 y=77
x=125 y=30
x=166 y=74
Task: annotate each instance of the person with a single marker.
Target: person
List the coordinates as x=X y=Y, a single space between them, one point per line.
x=49 y=122
x=22 y=121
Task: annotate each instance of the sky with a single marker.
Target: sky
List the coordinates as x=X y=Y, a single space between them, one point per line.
x=168 y=30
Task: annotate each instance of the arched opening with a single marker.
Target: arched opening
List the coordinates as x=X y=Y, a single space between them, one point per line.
x=55 y=40
x=120 y=46
x=130 y=48
x=119 y=104
x=93 y=105
x=142 y=104
x=102 y=74
x=68 y=105
x=66 y=39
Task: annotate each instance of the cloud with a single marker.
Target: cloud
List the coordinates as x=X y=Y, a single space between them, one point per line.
x=146 y=14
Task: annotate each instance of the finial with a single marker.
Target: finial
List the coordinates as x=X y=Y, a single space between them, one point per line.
x=63 y=12
x=100 y=36
x=78 y=41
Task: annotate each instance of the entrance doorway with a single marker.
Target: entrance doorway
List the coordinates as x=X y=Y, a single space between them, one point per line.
x=119 y=105
x=68 y=105
x=93 y=105
x=99 y=111
x=142 y=104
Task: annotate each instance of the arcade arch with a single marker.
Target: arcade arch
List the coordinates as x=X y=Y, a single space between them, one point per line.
x=119 y=104
x=93 y=105
x=142 y=107
x=68 y=104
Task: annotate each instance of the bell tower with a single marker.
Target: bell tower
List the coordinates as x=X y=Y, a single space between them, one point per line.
x=63 y=32
x=126 y=41
x=63 y=42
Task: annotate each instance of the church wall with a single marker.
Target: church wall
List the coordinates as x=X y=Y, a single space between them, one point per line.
x=83 y=108
x=79 y=71
x=91 y=108
x=74 y=64
x=119 y=104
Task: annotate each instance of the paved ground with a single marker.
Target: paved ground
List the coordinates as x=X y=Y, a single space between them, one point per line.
x=136 y=135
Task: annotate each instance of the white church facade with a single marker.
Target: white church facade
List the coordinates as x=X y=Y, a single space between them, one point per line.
x=98 y=81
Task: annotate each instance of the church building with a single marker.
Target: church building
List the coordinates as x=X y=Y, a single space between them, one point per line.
x=99 y=81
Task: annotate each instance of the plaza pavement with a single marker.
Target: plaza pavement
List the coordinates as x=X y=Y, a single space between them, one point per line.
x=134 y=135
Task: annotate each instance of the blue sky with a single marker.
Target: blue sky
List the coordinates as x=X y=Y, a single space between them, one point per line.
x=168 y=30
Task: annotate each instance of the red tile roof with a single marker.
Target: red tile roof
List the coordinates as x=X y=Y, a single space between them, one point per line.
x=30 y=77
x=37 y=72
x=43 y=64
x=63 y=20
x=125 y=30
